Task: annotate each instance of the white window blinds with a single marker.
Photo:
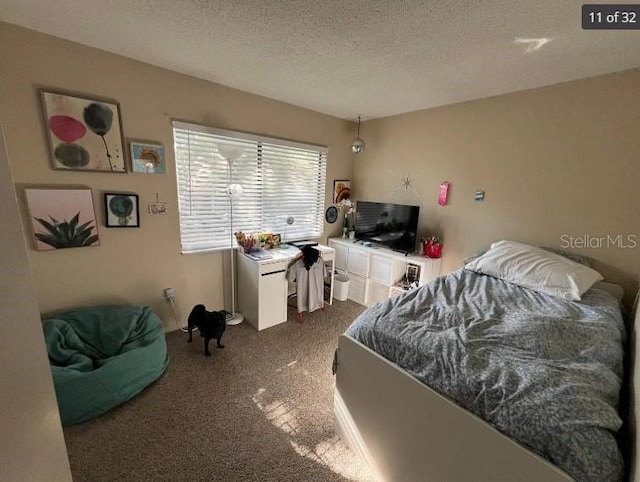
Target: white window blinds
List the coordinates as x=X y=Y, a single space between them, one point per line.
x=278 y=178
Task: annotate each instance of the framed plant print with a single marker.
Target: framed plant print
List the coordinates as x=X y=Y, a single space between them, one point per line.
x=85 y=134
x=121 y=210
x=62 y=218
x=147 y=158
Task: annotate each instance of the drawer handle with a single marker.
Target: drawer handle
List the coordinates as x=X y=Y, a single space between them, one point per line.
x=273 y=272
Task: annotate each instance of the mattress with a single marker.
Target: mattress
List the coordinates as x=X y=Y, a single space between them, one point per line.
x=544 y=371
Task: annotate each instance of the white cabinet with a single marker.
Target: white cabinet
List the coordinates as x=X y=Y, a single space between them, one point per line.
x=273 y=289
x=262 y=294
x=380 y=269
x=341 y=256
x=263 y=286
x=357 y=289
x=358 y=262
x=373 y=271
x=377 y=292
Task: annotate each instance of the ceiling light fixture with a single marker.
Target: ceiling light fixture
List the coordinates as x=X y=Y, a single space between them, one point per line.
x=532 y=44
x=357 y=146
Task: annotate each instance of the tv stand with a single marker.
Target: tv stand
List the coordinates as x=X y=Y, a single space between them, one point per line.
x=376 y=273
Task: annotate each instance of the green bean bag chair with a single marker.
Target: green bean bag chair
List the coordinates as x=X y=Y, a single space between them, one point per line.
x=103 y=356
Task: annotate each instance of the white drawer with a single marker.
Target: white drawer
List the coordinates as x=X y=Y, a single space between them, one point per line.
x=268 y=268
x=357 y=289
x=377 y=292
x=380 y=269
x=341 y=257
x=358 y=263
x=430 y=271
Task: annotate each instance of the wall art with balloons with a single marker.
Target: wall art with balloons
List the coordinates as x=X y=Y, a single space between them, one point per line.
x=84 y=133
x=121 y=210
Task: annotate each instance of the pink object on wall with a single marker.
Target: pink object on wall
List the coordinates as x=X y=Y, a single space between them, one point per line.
x=444 y=191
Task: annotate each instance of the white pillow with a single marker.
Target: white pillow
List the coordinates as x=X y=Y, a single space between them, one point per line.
x=536 y=269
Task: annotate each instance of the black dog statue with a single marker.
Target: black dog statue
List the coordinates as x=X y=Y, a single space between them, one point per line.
x=211 y=324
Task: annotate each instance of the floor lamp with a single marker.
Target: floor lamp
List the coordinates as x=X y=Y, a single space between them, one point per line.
x=234 y=191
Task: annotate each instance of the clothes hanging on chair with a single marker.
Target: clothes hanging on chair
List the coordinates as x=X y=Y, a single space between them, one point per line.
x=308 y=275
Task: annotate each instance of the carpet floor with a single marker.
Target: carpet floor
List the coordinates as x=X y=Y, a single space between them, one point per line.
x=261 y=409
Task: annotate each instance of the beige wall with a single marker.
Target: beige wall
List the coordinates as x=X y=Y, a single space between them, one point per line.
x=32 y=444
x=552 y=161
x=134 y=265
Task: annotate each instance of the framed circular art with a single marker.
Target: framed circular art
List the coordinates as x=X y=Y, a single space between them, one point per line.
x=331 y=215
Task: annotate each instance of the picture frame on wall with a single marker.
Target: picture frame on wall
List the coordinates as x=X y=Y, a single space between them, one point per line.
x=84 y=133
x=62 y=218
x=341 y=190
x=147 y=158
x=121 y=210
x=157 y=208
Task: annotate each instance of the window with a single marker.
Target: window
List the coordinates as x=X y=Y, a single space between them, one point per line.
x=279 y=179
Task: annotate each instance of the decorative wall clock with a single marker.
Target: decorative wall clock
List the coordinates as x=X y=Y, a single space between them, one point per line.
x=331 y=215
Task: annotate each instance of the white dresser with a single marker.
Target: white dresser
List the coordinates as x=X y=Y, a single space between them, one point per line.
x=373 y=271
x=262 y=285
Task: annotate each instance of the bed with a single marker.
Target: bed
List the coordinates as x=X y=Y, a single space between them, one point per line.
x=473 y=377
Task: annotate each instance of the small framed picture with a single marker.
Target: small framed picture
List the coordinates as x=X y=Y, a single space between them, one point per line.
x=85 y=133
x=121 y=210
x=147 y=158
x=157 y=208
x=341 y=190
x=413 y=272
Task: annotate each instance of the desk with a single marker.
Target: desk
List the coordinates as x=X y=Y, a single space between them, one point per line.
x=262 y=285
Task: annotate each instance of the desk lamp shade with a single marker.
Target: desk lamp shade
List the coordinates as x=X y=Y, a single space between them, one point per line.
x=290 y=220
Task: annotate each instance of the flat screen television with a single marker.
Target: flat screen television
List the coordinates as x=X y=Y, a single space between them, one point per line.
x=393 y=225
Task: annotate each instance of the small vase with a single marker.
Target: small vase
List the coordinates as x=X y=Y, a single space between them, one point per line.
x=344 y=233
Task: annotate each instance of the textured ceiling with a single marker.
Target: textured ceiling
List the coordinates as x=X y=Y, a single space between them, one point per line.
x=344 y=58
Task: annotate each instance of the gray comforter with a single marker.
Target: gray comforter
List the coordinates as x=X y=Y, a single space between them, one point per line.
x=544 y=371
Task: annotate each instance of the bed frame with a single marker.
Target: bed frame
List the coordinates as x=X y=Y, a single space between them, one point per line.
x=406 y=431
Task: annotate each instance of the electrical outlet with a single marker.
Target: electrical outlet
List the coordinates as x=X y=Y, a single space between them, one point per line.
x=169 y=293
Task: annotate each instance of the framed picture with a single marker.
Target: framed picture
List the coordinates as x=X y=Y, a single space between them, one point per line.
x=147 y=158
x=85 y=134
x=62 y=218
x=157 y=208
x=413 y=272
x=341 y=190
x=121 y=210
